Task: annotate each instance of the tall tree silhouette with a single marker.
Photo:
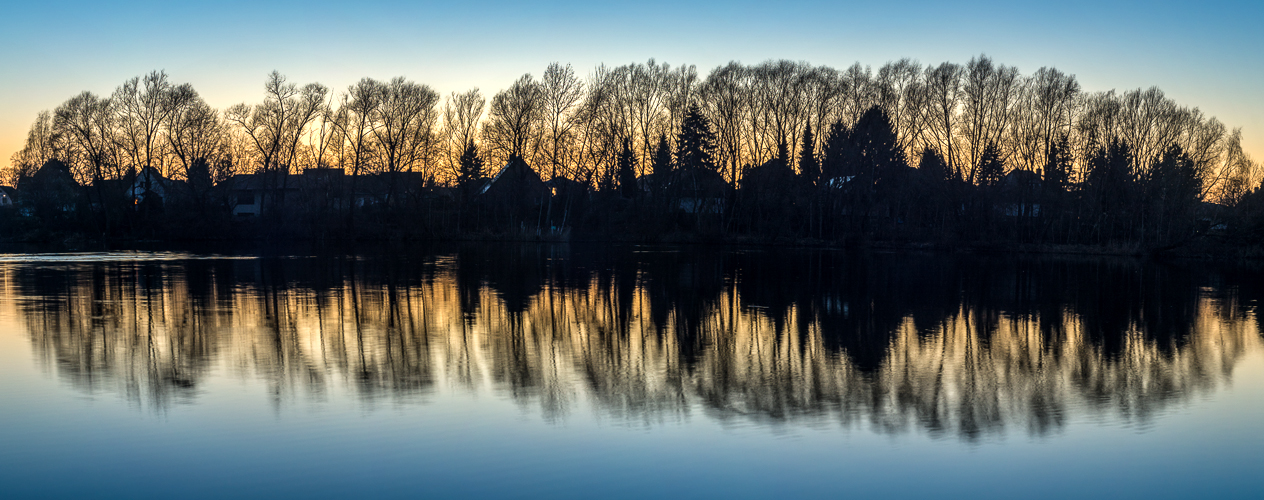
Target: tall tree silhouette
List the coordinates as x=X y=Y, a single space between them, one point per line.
x=469 y=170
x=837 y=156
x=662 y=164
x=990 y=168
x=695 y=145
x=1172 y=189
x=809 y=167
x=627 y=170
x=932 y=166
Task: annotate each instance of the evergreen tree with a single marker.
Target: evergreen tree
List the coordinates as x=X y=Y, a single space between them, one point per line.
x=695 y=145
x=809 y=168
x=1057 y=167
x=469 y=168
x=932 y=165
x=1174 y=180
x=198 y=177
x=662 y=162
x=1173 y=190
x=991 y=169
x=1111 y=173
x=627 y=170
x=837 y=154
x=877 y=155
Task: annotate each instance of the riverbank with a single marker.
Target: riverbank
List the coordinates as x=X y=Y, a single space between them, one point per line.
x=1205 y=248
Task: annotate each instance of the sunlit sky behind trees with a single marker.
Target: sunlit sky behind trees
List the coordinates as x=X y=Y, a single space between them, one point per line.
x=1205 y=55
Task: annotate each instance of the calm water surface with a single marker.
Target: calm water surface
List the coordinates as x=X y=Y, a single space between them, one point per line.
x=569 y=371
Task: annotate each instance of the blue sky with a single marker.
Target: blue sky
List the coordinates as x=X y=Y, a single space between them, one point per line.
x=1205 y=54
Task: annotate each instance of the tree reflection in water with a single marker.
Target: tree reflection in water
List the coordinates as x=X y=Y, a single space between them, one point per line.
x=964 y=346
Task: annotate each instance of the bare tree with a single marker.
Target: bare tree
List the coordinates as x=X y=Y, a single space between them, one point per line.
x=41 y=145
x=859 y=93
x=1047 y=103
x=403 y=126
x=461 y=114
x=900 y=92
x=86 y=122
x=724 y=102
x=142 y=106
x=276 y=127
x=513 y=125
x=354 y=121
x=943 y=96
x=194 y=132
x=562 y=93
x=824 y=89
x=988 y=92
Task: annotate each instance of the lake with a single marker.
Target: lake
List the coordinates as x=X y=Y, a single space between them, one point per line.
x=576 y=371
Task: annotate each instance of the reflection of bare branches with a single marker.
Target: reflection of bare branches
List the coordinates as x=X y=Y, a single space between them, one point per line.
x=967 y=366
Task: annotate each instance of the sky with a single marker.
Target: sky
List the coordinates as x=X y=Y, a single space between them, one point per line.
x=1208 y=55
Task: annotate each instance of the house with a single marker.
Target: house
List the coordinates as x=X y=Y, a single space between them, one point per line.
x=8 y=197
x=246 y=194
x=149 y=187
x=50 y=190
x=701 y=190
x=515 y=182
x=1020 y=190
x=691 y=190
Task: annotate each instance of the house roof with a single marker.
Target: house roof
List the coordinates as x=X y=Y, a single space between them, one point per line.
x=515 y=172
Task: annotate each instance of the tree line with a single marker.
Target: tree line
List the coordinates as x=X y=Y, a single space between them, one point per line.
x=974 y=150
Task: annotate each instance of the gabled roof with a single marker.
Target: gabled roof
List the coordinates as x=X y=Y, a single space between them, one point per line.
x=515 y=172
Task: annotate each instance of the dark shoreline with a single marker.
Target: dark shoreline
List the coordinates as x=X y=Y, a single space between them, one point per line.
x=1205 y=249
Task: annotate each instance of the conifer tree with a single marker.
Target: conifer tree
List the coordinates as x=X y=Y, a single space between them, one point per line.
x=991 y=169
x=1057 y=169
x=932 y=166
x=627 y=170
x=783 y=155
x=809 y=168
x=837 y=152
x=695 y=146
x=1174 y=179
x=1111 y=173
x=662 y=163
x=470 y=168
x=877 y=155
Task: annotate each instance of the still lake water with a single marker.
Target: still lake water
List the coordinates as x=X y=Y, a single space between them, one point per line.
x=627 y=372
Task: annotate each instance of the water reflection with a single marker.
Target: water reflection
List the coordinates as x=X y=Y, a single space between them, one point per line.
x=961 y=346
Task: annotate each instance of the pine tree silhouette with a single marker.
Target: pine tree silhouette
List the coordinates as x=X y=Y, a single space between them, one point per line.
x=696 y=144
x=809 y=167
x=991 y=169
x=662 y=163
x=932 y=165
x=469 y=169
x=838 y=149
x=627 y=170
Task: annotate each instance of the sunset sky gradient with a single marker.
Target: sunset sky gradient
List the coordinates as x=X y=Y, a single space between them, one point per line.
x=1208 y=55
